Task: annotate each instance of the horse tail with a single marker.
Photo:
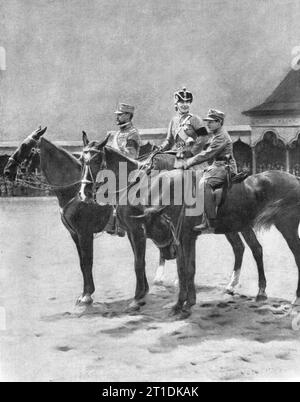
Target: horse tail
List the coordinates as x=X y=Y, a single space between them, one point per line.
x=282 y=209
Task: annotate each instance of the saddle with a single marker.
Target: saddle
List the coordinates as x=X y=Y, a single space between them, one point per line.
x=231 y=180
x=166 y=161
x=162 y=161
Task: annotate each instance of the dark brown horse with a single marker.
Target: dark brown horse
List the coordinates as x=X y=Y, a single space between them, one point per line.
x=63 y=173
x=97 y=156
x=265 y=199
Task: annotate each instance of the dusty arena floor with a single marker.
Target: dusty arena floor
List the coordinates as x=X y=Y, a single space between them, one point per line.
x=48 y=339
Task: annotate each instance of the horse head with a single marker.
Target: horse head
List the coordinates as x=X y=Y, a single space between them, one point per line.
x=93 y=160
x=160 y=229
x=23 y=153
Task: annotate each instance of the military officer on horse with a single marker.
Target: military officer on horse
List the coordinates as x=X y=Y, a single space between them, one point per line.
x=186 y=131
x=220 y=151
x=127 y=141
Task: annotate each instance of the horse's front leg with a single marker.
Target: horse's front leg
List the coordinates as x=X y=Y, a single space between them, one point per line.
x=137 y=240
x=182 y=277
x=160 y=272
x=186 y=267
x=84 y=245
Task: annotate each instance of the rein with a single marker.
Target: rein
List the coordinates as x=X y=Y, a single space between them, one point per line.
x=143 y=166
x=45 y=186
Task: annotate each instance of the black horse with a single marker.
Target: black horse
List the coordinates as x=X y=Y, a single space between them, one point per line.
x=63 y=173
x=263 y=200
x=97 y=156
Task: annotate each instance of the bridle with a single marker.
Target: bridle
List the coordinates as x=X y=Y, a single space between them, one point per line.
x=174 y=234
x=87 y=165
x=18 y=163
x=103 y=165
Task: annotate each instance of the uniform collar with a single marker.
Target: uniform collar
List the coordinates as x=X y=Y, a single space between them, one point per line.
x=220 y=130
x=125 y=126
x=182 y=116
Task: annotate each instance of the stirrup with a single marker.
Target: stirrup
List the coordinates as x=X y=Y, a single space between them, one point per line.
x=203 y=229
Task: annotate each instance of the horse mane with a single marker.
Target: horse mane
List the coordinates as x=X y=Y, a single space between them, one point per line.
x=124 y=158
x=59 y=166
x=44 y=143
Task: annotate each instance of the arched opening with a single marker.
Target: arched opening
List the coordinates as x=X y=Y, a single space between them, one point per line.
x=295 y=156
x=243 y=156
x=270 y=153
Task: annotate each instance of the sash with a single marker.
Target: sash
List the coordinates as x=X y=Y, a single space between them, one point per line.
x=180 y=131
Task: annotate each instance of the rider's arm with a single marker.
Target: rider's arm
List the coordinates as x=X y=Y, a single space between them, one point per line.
x=217 y=144
x=200 y=144
x=198 y=126
x=133 y=144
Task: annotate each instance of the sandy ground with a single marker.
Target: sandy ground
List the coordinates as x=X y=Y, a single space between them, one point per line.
x=48 y=339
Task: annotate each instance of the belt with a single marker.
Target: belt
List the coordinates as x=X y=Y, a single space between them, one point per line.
x=224 y=159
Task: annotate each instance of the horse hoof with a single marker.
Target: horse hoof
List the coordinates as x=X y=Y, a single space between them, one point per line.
x=135 y=305
x=261 y=298
x=296 y=302
x=85 y=300
x=229 y=291
x=296 y=323
x=185 y=313
x=175 y=310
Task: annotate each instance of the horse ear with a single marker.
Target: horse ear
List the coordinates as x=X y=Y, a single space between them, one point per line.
x=41 y=131
x=141 y=218
x=150 y=212
x=104 y=142
x=85 y=139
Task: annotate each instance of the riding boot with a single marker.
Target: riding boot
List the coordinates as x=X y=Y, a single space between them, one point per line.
x=209 y=217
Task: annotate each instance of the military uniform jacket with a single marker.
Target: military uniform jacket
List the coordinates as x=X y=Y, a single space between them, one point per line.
x=182 y=132
x=127 y=140
x=219 y=148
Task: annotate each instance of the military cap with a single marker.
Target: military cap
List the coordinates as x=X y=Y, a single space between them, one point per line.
x=183 y=95
x=124 y=108
x=214 y=115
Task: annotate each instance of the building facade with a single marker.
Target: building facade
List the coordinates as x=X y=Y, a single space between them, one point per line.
x=270 y=142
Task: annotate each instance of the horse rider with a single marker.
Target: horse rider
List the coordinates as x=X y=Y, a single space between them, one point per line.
x=220 y=150
x=127 y=141
x=185 y=131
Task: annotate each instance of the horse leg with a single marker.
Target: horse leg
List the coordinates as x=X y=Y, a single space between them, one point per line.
x=238 y=249
x=182 y=277
x=160 y=272
x=190 y=256
x=289 y=230
x=138 y=243
x=84 y=244
x=85 y=298
x=186 y=267
x=257 y=252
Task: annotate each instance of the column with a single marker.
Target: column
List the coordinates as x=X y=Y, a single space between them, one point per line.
x=253 y=160
x=287 y=159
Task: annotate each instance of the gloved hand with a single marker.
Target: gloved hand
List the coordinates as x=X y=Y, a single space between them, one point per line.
x=180 y=164
x=186 y=153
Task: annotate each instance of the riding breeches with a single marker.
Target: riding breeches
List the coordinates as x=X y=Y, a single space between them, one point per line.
x=214 y=177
